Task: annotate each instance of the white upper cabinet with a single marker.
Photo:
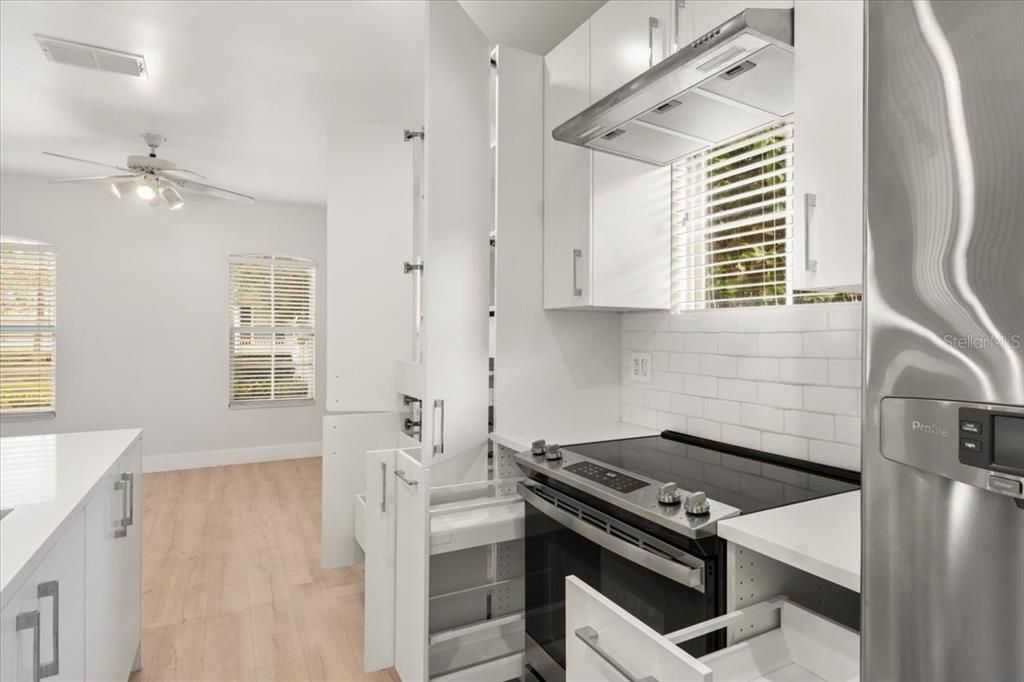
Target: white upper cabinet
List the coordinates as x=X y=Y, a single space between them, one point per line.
x=627 y=37
x=606 y=219
x=828 y=126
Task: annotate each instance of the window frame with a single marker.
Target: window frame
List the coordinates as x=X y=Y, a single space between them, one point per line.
x=29 y=244
x=235 y=404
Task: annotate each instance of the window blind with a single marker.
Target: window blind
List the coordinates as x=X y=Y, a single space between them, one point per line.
x=28 y=327
x=273 y=318
x=731 y=218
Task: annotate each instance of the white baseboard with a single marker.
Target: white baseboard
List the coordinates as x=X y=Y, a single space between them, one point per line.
x=216 y=458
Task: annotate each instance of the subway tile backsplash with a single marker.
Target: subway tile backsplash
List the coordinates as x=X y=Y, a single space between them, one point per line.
x=783 y=380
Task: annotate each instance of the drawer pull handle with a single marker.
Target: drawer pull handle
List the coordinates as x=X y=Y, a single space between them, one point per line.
x=51 y=588
x=588 y=636
x=29 y=620
x=408 y=481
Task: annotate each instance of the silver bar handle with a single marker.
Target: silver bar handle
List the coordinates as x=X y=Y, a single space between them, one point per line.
x=29 y=620
x=406 y=480
x=588 y=636
x=121 y=525
x=51 y=588
x=576 y=255
x=383 y=487
x=652 y=24
x=439 y=434
x=810 y=203
x=129 y=478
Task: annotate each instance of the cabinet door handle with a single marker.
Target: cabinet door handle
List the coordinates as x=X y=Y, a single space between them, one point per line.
x=588 y=636
x=652 y=23
x=121 y=526
x=405 y=479
x=439 y=434
x=810 y=203
x=29 y=620
x=51 y=588
x=129 y=478
x=576 y=255
x=383 y=487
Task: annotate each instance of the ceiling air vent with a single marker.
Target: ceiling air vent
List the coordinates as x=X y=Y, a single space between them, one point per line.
x=92 y=57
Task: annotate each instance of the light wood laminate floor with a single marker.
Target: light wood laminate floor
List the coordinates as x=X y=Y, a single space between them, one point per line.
x=232 y=587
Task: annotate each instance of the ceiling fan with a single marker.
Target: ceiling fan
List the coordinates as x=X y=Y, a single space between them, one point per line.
x=156 y=181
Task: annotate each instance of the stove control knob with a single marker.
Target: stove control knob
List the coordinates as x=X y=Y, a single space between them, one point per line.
x=539 y=448
x=554 y=453
x=669 y=493
x=697 y=504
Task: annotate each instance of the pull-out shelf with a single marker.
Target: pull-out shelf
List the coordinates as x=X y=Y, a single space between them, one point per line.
x=604 y=642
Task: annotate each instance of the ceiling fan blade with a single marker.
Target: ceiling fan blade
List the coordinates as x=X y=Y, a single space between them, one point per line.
x=97 y=179
x=210 y=190
x=173 y=171
x=94 y=163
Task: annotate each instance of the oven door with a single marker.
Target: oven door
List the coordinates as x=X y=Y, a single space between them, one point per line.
x=658 y=583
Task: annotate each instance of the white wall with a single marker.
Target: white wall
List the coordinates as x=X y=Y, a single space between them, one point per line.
x=142 y=318
x=782 y=380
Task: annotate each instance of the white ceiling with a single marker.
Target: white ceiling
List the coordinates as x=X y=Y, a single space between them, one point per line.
x=532 y=25
x=242 y=90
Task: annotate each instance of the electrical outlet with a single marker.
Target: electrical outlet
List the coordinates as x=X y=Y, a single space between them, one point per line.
x=640 y=367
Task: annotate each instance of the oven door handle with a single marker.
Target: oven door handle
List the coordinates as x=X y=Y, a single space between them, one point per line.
x=689 y=576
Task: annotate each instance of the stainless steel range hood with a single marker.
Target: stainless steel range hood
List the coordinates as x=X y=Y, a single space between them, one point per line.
x=734 y=78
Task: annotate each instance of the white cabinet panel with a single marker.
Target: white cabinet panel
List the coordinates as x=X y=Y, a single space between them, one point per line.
x=603 y=641
x=624 y=37
x=369 y=237
x=346 y=440
x=51 y=603
x=632 y=233
x=412 y=565
x=828 y=164
x=456 y=248
x=112 y=571
x=567 y=175
x=379 y=538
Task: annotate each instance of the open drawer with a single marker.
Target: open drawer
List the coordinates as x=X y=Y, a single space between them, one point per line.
x=604 y=642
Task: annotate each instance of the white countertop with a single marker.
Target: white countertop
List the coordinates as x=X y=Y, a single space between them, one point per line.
x=819 y=536
x=47 y=479
x=565 y=434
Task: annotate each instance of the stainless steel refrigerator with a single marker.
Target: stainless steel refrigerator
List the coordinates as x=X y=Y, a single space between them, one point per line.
x=943 y=435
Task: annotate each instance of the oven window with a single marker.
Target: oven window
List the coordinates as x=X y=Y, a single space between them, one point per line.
x=554 y=552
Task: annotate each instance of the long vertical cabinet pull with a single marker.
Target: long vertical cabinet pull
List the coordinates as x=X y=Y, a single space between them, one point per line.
x=652 y=24
x=129 y=478
x=439 y=433
x=576 y=255
x=121 y=525
x=29 y=620
x=383 y=487
x=810 y=203
x=51 y=588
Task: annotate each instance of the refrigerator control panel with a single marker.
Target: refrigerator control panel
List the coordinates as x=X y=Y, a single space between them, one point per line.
x=992 y=439
x=975 y=443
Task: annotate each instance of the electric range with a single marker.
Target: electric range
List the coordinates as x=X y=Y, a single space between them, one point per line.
x=637 y=520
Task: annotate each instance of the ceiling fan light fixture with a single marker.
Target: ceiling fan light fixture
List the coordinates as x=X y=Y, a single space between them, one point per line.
x=146 y=189
x=171 y=197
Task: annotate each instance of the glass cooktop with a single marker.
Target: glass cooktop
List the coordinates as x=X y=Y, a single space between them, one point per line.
x=749 y=484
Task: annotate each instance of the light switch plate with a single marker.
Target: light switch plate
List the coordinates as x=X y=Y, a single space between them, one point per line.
x=640 y=367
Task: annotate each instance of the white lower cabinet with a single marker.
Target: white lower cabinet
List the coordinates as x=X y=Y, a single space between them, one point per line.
x=78 y=614
x=444 y=566
x=604 y=642
x=113 y=570
x=42 y=626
